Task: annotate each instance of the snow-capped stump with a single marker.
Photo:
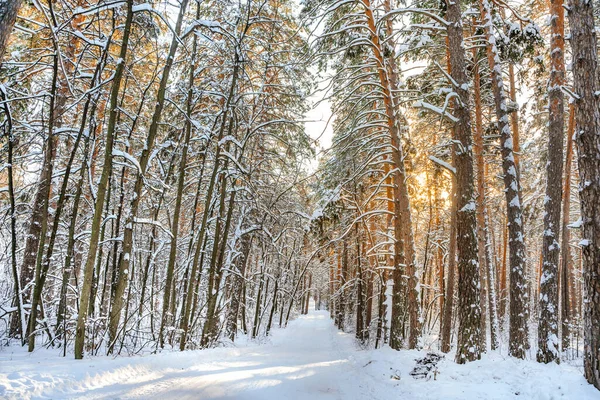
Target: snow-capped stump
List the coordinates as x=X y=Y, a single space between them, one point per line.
x=426 y=366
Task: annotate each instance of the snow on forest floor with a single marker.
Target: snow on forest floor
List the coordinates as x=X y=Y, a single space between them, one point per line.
x=310 y=360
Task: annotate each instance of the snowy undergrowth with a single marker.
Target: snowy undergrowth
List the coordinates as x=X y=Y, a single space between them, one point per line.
x=308 y=360
x=493 y=377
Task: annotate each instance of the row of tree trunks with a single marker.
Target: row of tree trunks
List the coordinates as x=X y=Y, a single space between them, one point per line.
x=446 y=328
x=237 y=279
x=519 y=310
x=102 y=188
x=201 y=238
x=40 y=215
x=484 y=241
x=165 y=320
x=566 y=261
x=124 y=268
x=404 y=250
x=58 y=107
x=17 y=327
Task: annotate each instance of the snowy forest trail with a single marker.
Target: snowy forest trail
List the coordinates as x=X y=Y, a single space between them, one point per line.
x=306 y=361
x=309 y=360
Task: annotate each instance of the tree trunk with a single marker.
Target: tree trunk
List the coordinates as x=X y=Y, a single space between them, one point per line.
x=368 y=302
x=360 y=291
x=237 y=286
x=331 y=300
x=8 y=16
x=343 y=279
x=503 y=275
x=450 y=279
x=42 y=214
x=273 y=306
x=566 y=258
x=514 y=116
x=257 y=306
x=548 y=347
x=18 y=321
x=469 y=311
x=308 y=292
x=587 y=136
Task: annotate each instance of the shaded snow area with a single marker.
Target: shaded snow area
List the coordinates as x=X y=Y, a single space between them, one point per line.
x=308 y=360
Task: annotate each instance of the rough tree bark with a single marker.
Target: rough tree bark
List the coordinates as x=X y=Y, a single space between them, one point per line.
x=469 y=311
x=8 y=15
x=587 y=136
x=548 y=347
x=360 y=290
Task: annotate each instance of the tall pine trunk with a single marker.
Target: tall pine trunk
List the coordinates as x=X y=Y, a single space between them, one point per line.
x=469 y=311
x=548 y=347
x=566 y=260
x=587 y=136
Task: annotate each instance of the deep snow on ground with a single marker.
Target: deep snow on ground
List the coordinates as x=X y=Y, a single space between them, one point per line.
x=308 y=360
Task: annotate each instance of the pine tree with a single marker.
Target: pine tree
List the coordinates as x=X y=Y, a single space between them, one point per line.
x=587 y=128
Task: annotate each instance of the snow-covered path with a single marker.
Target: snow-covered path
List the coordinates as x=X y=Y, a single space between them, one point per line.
x=306 y=361
x=309 y=360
